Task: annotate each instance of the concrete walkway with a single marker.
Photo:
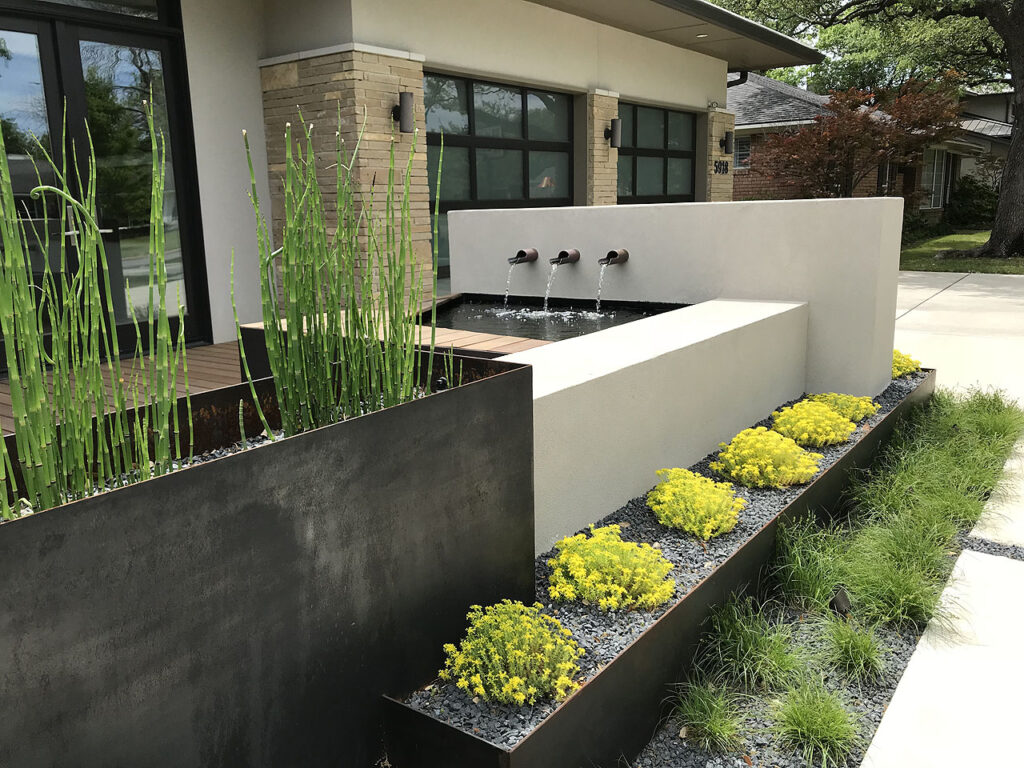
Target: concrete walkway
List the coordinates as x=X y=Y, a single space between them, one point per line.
x=958 y=704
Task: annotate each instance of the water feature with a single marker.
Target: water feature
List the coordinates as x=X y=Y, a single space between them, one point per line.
x=600 y=283
x=551 y=280
x=508 y=284
x=619 y=256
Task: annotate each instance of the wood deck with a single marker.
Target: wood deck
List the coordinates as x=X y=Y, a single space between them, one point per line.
x=212 y=366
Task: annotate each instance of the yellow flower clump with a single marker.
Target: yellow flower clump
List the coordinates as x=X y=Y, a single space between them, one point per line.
x=848 y=406
x=606 y=571
x=813 y=424
x=761 y=458
x=514 y=654
x=695 y=504
x=903 y=364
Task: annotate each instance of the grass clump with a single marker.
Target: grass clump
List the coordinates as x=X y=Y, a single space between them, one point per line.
x=710 y=716
x=761 y=458
x=695 y=504
x=807 y=565
x=748 y=648
x=613 y=574
x=903 y=365
x=812 y=424
x=853 y=650
x=513 y=653
x=848 y=406
x=814 y=721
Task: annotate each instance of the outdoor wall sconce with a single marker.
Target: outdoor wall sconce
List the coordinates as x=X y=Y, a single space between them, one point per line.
x=726 y=142
x=614 y=133
x=401 y=113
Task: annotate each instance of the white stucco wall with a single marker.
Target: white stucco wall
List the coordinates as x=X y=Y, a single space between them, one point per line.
x=612 y=408
x=839 y=256
x=303 y=25
x=222 y=46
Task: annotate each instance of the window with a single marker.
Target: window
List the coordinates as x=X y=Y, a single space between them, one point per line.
x=933 y=175
x=96 y=61
x=741 y=157
x=656 y=159
x=504 y=146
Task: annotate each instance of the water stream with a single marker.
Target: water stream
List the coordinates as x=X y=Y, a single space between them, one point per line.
x=600 y=282
x=551 y=279
x=508 y=282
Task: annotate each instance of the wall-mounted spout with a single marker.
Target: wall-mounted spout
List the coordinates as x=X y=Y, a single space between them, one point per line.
x=570 y=256
x=523 y=256
x=620 y=256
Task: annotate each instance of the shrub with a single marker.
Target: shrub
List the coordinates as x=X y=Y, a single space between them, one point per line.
x=746 y=647
x=903 y=365
x=848 y=406
x=813 y=424
x=813 y=720
x=513 y=653
x=807 y=563
x=972 y=204
x=710 y=716
x=695 y=504
x=853 y=650
x=765 y=459
x=606 y=571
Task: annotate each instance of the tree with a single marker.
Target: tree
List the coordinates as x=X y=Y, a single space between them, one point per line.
x=991 y=54
x=859 y=132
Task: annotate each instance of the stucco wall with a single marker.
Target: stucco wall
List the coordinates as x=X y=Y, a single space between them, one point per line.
x=840 y=256
x=612 y=408
x=222 y=46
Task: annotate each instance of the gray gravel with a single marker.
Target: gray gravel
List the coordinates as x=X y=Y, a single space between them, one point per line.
x=605 y=635
x=978 y=544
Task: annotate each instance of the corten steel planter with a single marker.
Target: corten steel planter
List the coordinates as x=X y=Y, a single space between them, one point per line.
x=614 y=714
x=252 y=610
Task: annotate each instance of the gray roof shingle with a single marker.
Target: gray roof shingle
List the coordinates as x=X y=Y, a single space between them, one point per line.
x=983 y=126
x=761 y=101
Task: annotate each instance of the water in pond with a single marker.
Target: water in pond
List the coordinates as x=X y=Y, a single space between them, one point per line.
x=533 y=322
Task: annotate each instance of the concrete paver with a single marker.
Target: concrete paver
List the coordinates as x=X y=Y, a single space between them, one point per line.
x=1003 y=518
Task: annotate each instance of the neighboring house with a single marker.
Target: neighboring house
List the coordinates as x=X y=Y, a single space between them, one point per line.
x=763 y=106
x=988 y=122
x=524 y=92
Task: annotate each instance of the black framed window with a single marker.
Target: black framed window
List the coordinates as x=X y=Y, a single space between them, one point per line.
x=505 y=146
x=741 y=153
x=657 y=158
x=97 y=61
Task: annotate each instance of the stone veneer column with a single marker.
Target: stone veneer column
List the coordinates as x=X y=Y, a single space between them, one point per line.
x=363 y=83
x=719 y=185
x=602 y=160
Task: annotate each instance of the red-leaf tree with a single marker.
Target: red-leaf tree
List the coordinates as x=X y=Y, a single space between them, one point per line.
x=858 y=132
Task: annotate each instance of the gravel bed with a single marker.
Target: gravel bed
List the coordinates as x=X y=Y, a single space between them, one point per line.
x=759 y=745
x=978 y=544
x=605 y=635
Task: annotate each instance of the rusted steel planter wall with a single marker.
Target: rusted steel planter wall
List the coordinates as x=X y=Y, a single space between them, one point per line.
x=252 y=610
x=613 y=715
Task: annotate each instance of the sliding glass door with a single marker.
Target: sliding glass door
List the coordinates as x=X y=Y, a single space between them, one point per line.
x=96 y=65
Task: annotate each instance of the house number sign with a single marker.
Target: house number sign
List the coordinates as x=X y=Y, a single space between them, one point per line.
x=721 y=166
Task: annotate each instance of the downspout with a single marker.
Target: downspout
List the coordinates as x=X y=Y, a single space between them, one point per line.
x=744 y=74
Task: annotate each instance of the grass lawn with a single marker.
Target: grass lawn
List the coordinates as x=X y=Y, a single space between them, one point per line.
x=921 y=257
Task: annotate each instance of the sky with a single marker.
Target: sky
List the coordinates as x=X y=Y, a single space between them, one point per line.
x=21 y=88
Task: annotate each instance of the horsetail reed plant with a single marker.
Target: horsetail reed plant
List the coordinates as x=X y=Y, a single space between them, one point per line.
x=73 y=436
x=342 y=327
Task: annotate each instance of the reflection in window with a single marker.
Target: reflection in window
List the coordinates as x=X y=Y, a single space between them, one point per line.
x=657 y=156
x=549 y=174
x=146 y=9
x=446 y=104
x=498 y=111
x=548 y=116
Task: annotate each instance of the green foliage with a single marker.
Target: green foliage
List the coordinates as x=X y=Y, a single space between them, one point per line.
x=807 y=565
x=848 y=406
x=748 y=648
x=972 y=204
x=921 y=256
x=695 y=504
x=330 y=364
x=903 y=365
x=761 y=458
x=814 y=721
x=62 y=465
x=513 y=653
x=613 y=574
x=710 y=715
x=853 y=650
x=813 y=424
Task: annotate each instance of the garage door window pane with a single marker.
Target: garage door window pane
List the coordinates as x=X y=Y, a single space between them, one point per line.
x=626 y=116
x=498 y=111
x=549 y=174
x=680 y=176
x=548 y=116
x=446 y=102
x=454 y=172
x=650 y=128
x=680 y=130
x=650 y=176
x=625 y=185
x=499 y=174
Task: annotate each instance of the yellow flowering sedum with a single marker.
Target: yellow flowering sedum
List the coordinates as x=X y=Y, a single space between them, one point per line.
x=848 y=406
x=810 y=423
x=605 y=571
x=513 y=653
x=903 y=364
x=695 y=504
x=761 y=458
